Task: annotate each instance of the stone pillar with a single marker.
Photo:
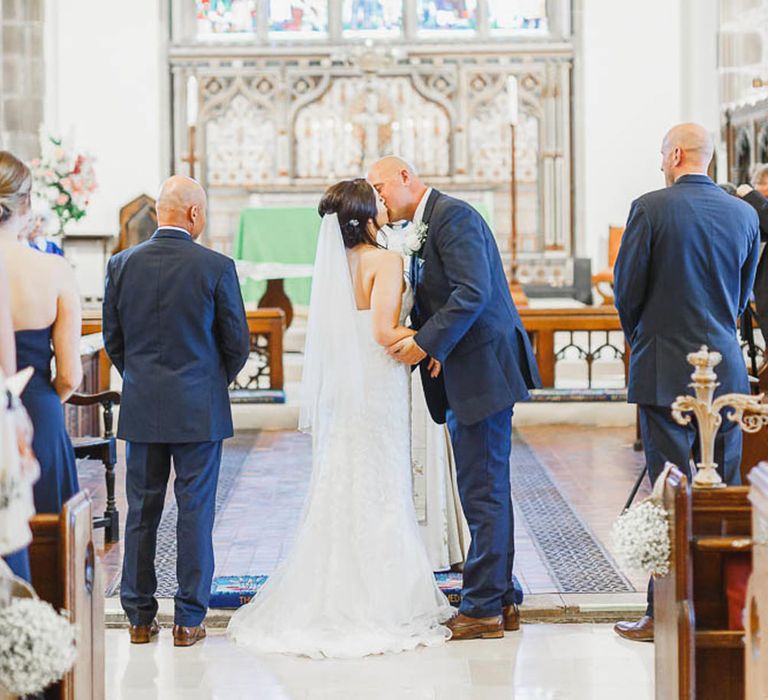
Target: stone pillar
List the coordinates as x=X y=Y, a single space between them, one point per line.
x=22 y=82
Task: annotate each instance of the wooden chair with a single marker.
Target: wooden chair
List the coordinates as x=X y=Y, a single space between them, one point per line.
x=756 y=653
x=102 y=448
x=67 y=573
x=138 y=221
x=83 y=422
x=697 y=655
x=605 y=277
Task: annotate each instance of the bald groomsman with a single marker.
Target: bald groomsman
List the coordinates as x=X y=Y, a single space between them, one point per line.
x=175 y=328
x=683 y=276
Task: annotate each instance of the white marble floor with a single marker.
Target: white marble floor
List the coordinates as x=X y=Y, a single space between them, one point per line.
x=542 y=662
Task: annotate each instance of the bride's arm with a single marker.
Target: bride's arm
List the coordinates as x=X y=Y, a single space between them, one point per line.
x=386 y=299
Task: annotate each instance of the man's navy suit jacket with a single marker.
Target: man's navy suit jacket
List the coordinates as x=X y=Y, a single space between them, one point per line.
x=175 y=328
x=683 y=276
x=465 y=317
x=760 y=205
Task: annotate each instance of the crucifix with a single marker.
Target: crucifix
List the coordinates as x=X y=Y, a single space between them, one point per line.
x=190 y=158
x=371 y=120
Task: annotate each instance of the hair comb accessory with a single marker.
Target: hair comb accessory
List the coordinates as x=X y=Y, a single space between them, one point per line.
x=354 y=222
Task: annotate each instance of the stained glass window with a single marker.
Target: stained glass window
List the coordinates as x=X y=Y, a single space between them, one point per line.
x=298 y=17
x=516 y=15
x=447 y=14
x=226 y=16
x=372 y=16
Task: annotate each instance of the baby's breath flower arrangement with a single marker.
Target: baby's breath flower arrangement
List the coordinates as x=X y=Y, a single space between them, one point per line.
x=641 y=534
x=37 y=646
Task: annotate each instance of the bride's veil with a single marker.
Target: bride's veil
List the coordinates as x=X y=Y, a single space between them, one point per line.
x=332 y=379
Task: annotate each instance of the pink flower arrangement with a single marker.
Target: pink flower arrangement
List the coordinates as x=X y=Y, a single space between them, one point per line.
x=65 y=181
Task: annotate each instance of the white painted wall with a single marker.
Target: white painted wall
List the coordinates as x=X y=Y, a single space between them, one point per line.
x=640 y=69
x=106 y=81
x=107 y=94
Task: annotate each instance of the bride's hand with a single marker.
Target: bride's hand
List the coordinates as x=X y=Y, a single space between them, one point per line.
x=434 y=367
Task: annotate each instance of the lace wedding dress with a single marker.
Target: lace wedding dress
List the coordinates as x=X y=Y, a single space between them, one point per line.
x=357 y=580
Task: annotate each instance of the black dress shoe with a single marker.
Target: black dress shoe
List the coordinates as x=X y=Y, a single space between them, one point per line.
x=640 y=631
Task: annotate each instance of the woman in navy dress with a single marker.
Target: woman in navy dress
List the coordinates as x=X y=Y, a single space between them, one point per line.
x=45 y=312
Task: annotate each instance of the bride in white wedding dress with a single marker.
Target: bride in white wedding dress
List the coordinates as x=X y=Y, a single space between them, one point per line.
x=357 y=580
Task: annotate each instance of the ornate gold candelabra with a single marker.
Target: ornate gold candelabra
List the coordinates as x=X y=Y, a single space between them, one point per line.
x=707 y=410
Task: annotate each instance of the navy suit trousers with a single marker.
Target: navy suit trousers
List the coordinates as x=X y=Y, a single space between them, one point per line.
x=196 y=466
x=665 y=440
x=482 y=452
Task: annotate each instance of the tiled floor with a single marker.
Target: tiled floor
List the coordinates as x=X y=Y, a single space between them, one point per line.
x=541 y=662
x=594 y=467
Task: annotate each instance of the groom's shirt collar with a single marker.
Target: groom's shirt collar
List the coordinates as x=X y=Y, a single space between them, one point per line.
x=418 y=215
x=176 y=228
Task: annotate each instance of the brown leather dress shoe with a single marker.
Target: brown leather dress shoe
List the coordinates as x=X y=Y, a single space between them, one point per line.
x=187 y=636
x=465 y=627
x=142 y=634
x=640 y=631
x=511 y=617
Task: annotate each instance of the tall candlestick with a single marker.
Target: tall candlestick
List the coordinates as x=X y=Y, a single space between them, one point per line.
x=192 y=99
x=512 y=100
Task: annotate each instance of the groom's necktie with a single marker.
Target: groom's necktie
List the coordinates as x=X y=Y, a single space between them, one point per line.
x=414 y=286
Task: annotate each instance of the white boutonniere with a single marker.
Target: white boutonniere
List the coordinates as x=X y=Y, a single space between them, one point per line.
x=414 y=241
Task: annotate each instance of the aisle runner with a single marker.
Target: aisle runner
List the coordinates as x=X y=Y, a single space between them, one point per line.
x=576 y=560
x=233 y=456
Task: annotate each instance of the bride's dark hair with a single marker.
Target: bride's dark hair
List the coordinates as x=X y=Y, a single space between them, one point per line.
x=354 y=201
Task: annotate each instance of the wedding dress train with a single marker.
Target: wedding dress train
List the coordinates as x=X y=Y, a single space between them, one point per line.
x=357 y=580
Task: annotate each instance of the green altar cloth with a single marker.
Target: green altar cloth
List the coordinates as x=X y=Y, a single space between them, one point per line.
x=285 y=235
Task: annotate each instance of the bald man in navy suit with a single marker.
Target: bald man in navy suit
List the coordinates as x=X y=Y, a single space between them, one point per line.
x=175 y=329
x=682 y=278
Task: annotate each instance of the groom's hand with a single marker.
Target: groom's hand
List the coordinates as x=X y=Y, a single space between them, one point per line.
x=406 y=351
x=434 y=368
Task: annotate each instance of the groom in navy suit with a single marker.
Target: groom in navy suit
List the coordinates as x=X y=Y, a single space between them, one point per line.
x=175 y=329
x=683 y=276
x=476 y=363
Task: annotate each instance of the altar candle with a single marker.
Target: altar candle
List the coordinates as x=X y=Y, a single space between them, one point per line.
x=395 y=146
x=512 y=101
x=192 y=98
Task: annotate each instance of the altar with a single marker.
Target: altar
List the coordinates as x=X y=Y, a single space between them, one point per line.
x=284 y=235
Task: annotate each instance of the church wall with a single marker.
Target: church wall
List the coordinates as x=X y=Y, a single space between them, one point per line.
x=106 y=75
x=627 y=90
x=639 y=69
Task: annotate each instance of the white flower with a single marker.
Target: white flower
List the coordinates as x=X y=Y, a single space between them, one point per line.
x=37 y=646
x=641 y=538
x=415 y=239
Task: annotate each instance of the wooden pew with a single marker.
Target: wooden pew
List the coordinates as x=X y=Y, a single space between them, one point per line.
x=67 y=573
x=266 y=383
x=756 y=642
x=697 y=656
